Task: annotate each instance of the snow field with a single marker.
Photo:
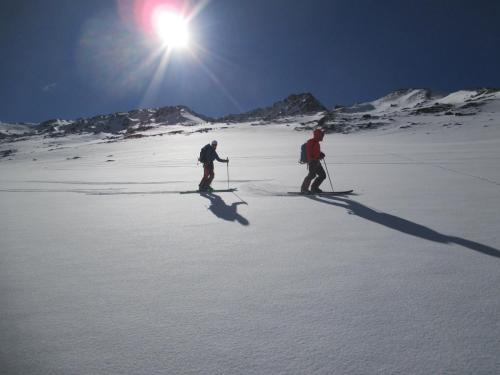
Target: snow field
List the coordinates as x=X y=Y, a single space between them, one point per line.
x=105 y=269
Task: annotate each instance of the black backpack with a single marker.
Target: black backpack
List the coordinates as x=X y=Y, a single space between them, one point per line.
x=303 y=154
x=203 y=154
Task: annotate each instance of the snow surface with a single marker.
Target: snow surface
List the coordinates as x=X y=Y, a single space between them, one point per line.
x=417 y=98
x=194 y=119
x=408 y=98
x=106 y=269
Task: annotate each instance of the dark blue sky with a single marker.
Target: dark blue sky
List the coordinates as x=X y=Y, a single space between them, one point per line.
x=69 y=59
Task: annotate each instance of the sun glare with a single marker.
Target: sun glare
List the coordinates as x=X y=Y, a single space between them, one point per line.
x=171 y=28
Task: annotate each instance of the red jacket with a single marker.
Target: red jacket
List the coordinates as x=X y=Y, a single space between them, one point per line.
x=313 y=149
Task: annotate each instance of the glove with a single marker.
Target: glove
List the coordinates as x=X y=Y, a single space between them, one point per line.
x=321 y=155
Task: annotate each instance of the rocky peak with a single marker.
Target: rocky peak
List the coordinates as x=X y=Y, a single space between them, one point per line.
x=293 y=105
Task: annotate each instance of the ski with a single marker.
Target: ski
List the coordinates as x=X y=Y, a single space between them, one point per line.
x=213 y=191
x=345 y=192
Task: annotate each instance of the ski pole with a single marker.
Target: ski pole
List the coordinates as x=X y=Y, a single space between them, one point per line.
x=227 y=168
x=328 y=174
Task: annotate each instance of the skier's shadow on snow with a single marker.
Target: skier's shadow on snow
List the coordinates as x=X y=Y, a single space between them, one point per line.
x=224 y=211
x=403 y=225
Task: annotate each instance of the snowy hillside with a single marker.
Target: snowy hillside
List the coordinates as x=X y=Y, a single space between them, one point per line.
x=106 y=269
x=401 y=109
x=413 y=107
x=124 y=122
x=147 y=122
x=7 y=130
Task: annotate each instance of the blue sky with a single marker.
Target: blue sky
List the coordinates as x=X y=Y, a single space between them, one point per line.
x=70 y=59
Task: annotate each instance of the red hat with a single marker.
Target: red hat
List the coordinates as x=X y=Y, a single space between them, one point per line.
x=318 y=134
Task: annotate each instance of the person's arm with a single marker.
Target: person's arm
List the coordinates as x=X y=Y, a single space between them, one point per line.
x=219 y=159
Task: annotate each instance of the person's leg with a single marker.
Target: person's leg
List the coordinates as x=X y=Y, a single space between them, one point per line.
x=307 y=181
x=321 y=177
x=210 y=176
x=204 y=181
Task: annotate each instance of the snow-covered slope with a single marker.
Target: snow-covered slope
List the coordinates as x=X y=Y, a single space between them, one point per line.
x=164 y=120
x=106 y=269
x=407 y=108
x=7 y=130
x=392 y=102
x=415 y=99
x=124 y=122
x=399 y=109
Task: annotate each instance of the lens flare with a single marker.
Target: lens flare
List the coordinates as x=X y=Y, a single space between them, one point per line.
x=171 y=28
x=164 y=27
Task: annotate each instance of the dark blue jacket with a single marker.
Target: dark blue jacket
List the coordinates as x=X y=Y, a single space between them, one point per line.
x=208 y=155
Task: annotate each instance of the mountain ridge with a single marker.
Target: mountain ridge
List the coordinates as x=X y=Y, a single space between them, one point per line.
x=372 y=114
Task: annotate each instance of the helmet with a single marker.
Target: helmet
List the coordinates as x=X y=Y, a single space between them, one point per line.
x=214 y=143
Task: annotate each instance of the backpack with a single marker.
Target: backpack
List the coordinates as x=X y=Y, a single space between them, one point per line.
x=303 y=154
x=203 y=154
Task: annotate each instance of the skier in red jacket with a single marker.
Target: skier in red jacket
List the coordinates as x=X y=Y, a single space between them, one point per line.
x=314 y=155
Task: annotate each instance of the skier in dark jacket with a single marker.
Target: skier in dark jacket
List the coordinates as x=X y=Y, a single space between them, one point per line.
x=314 y=155
x=207 y=156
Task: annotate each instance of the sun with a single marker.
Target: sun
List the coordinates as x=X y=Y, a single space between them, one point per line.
x=171 y=28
